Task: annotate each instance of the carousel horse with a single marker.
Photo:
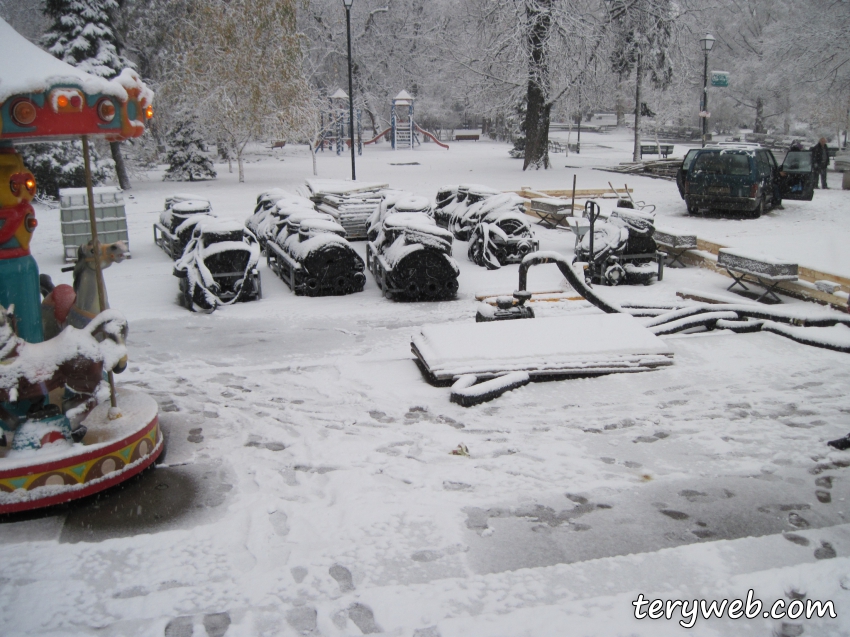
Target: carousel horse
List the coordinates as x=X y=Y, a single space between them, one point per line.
x=77 y=306
x=75 y=359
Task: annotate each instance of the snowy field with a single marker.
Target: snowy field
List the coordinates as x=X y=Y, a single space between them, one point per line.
x=309 y=488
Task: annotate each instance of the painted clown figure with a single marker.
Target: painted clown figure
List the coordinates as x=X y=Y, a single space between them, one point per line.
x=19 y=283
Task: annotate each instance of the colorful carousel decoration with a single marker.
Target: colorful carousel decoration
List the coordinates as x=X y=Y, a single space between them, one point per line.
x=58 y=356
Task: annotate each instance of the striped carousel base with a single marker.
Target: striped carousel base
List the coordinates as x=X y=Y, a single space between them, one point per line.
x=113 y=451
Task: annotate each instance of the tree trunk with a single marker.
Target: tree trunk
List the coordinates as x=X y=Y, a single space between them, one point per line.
x=759 y=125
x=638 y=81
x=620 y=109
x=120 y=168
x=537 y=110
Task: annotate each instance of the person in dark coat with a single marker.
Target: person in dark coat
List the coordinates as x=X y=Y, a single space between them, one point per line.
x=820 y=161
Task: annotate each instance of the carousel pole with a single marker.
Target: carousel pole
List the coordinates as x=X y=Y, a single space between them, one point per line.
x=101 y=287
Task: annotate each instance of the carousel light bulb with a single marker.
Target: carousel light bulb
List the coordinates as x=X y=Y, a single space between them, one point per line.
x=23 y=113
x=106 y=110
x=149 y=112
x=30 y=185
x=62 y=101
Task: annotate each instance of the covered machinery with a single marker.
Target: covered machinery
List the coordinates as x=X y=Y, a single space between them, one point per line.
x=219 y=266
x=622 y=248
x=408 y=253
x=312 y=256
x=177 y=222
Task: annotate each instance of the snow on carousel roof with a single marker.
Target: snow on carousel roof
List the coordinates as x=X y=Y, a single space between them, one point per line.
x=51 y=84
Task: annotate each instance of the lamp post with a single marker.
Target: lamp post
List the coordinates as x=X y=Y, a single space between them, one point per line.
x=707 y=42
x=347 y=4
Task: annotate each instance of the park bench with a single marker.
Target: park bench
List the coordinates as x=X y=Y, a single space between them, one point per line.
x=756 y=268
x=675 y=244
x=467 y=138
x=656 y=149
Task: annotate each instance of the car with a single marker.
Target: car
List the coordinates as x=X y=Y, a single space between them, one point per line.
x=682 y=173
x=842 y=160
x=736 y=177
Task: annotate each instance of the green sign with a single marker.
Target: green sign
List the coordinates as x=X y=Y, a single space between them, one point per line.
x=719 y=78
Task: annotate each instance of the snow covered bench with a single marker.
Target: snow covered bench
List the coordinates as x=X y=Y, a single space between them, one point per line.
x=675 y=244
x=662 y=150
x=753 y=267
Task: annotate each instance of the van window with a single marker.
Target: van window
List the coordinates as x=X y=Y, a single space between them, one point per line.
x=722 y=164
x=763 y=164
x=798 y=161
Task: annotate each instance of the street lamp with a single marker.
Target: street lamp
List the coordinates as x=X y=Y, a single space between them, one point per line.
x=707 y=42
x=347 y=4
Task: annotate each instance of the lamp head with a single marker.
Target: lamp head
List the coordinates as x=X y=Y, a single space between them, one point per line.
x=707 y=42
x=347 y=3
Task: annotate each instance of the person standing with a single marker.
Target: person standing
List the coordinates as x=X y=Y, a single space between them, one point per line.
x=820 y=161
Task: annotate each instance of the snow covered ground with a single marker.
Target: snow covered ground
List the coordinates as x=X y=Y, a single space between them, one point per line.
x=309 y=488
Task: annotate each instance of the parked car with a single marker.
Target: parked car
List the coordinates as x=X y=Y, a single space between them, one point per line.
x=842 y=160
x=682 y=173
x=736 y=177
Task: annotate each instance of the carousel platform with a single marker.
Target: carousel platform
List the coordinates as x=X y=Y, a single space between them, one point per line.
x=111 y=452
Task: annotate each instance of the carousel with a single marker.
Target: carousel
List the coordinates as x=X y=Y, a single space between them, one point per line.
x=65 y=432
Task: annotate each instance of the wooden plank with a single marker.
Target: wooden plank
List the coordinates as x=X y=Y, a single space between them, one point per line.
x=580 y=194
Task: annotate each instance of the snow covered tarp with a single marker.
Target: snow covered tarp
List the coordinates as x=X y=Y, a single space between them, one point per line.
x=410 y=256
x=551 y=347
x=42 y=97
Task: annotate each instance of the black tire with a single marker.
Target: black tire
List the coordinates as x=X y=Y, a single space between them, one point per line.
x=693 y=210
x=759 y=211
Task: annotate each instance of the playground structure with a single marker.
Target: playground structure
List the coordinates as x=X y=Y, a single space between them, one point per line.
x=403 y=128
x=336 y=125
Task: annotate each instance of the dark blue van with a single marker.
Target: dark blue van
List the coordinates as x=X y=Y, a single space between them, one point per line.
x=733 y=178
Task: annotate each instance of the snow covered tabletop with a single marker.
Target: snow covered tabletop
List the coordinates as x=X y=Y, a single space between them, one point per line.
x=565 y=344
x=757 y=264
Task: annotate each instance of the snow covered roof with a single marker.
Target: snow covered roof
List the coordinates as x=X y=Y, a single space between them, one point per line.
x=339 y=95
x=30 y=72
x=403 y=96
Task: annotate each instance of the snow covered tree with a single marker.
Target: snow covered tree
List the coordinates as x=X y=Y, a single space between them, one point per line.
x=641 y=32
x=187 y=156
x=58 y=165
x=238 y=63
x=82 y=34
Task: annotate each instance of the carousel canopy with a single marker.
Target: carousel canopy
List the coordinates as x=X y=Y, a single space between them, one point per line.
x=43 y=98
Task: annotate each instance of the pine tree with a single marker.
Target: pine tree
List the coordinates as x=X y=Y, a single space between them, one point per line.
x=187 y=157
x=58 y=165
x=82 y=33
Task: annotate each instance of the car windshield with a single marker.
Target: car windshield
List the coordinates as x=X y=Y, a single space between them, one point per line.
x=723 y=163
x=689 y=158
x=798 y=162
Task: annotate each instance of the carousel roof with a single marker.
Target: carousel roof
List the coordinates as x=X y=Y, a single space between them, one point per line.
x=43 y=98
x=29 y=69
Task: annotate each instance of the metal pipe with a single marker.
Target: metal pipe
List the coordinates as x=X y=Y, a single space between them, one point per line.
x=101 y=286
x=705 y=99
x=350 y=90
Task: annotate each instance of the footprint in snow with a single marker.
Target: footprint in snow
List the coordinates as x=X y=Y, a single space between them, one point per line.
x=343 y=577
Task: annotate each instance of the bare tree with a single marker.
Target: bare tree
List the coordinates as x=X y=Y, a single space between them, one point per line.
x=238 y=62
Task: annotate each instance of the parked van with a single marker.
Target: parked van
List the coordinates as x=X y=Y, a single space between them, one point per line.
x=744 y=178
x=735 y=178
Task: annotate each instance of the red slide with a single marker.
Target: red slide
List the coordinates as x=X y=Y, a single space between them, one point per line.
x=433 y=139
x=378 y=136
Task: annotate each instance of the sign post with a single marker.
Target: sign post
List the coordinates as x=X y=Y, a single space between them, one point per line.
x=720 y=78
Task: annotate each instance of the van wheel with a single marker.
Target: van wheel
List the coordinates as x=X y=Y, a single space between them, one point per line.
x=692 y=209
x=759 y=211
